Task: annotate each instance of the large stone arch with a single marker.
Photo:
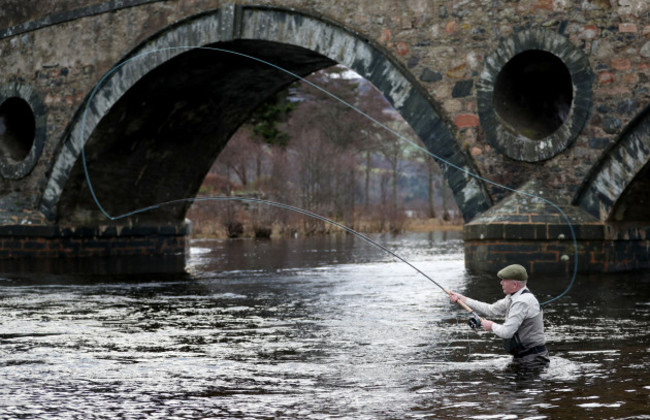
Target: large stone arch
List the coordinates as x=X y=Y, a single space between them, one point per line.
x=131 y=156
x=618 y=187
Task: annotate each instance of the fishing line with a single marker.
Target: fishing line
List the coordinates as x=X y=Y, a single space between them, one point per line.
x=296 y=209
x=291 y=208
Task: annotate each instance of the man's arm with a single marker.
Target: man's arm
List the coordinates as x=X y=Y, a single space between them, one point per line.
x=497 y=308
x=510 y=326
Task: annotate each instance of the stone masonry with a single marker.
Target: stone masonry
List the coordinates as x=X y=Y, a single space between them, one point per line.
x=547 y=97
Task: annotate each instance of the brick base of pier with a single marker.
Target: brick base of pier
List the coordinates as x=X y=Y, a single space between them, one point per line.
x=546 y=239
x=103 y=249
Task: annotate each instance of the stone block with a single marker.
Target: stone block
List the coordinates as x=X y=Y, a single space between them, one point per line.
x=466 y=121
x=621 y=63
x=494 y=231
x=462 y=88
x=34 y=245
x=429 y=75
x=519 y=231
x=598 y=142
x=513 y=248
x=542 y=267
x=544 y=218
x=627 y=28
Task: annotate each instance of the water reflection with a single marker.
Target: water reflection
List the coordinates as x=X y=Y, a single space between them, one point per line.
x=313 y=328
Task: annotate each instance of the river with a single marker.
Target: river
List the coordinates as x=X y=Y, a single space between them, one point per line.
x=313 y=328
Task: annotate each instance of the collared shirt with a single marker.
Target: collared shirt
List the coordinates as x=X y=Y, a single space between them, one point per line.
x=522 y=314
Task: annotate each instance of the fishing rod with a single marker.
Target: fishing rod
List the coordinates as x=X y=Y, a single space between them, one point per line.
x=474 y=321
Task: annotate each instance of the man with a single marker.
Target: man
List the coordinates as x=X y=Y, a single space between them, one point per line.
x=523 y=328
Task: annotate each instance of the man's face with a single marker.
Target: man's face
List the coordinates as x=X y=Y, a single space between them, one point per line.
x=509 y=286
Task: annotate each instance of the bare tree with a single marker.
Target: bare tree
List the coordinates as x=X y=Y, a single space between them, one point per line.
x=240 y=156
x=325 y=137
x=392 y=149
x=307 y=149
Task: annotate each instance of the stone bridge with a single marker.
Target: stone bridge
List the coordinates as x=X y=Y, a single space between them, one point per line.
x=536 y=109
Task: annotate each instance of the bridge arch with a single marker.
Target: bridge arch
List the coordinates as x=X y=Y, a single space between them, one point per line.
x=130 y=153
x=618 y=187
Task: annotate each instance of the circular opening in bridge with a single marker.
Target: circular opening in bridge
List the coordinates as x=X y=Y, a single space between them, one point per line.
x=17 y=129
x=533 y=94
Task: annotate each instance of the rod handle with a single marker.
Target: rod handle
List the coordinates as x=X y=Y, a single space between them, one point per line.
x=460 y=302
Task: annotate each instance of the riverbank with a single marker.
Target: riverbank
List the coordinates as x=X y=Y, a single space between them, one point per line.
x=205 y=228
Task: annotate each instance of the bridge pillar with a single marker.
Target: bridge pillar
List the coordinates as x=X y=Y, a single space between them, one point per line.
x=31 y=247
x=531 y=231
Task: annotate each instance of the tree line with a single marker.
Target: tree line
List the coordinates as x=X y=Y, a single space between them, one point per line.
x=307 y=149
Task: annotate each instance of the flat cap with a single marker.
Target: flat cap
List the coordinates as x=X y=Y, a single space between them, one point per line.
x=513 y=272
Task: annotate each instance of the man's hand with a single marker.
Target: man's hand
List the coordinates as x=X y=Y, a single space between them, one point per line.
x=486 y=324
x=455 y=297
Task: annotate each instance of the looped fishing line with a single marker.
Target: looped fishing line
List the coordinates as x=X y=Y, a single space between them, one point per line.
x=296 y=209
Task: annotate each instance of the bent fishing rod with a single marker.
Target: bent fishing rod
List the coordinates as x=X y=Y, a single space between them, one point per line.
x=473 y=322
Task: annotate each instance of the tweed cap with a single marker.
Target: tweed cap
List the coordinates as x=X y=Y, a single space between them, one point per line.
x=513 y=272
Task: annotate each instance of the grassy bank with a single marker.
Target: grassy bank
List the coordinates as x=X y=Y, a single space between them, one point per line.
x=211 y=224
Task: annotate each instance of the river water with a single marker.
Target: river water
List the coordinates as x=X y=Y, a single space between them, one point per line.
x=328 y=327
